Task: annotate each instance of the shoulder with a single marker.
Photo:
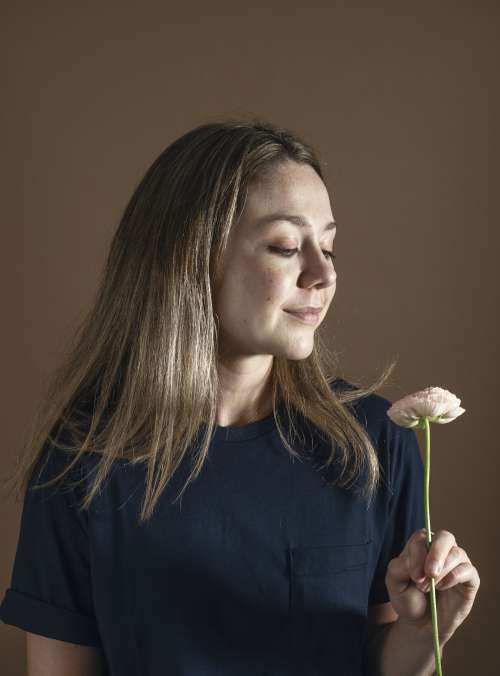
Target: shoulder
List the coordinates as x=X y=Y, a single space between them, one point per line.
x=371 y=409
x=60 y=473
x=397 y=447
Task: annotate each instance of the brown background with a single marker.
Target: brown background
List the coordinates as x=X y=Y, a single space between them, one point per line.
x=402 y=101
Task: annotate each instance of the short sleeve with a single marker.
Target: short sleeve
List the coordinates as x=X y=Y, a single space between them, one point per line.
x=51 y=586
x=405 y=512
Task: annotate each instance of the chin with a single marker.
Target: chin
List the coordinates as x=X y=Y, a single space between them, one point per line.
x=297 y=352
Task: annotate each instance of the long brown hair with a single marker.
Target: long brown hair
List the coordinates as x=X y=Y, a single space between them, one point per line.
x=139 y=380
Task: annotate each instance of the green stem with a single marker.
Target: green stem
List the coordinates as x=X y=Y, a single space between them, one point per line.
x=432 y=591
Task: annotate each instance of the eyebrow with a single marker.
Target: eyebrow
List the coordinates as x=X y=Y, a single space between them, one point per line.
x=300 y=221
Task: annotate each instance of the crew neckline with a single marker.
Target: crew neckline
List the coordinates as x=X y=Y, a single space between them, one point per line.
x=254 y=429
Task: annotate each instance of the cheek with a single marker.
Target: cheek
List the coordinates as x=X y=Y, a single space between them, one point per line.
x=260 y=284
x=252 y=287
x=272 y=289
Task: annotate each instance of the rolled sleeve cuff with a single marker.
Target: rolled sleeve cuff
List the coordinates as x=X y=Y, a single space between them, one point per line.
x=39 y=617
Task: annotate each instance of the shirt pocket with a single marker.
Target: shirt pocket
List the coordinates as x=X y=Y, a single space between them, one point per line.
x=328 y=597
x=326 y=577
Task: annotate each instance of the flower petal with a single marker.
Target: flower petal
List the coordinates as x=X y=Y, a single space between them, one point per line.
x=434 y=403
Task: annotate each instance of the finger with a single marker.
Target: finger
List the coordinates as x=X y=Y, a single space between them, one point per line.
x=456 y=556
x=397 y=577
x=435 y=558
x=417 y=552
x=464 y=573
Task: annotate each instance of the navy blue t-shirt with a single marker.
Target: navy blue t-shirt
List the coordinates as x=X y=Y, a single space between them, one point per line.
x=262 y=569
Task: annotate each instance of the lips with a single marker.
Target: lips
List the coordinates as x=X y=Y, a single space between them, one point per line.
x=307 y=317
x=305 y=311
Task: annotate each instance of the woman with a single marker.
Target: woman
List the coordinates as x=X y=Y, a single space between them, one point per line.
x=234 y=506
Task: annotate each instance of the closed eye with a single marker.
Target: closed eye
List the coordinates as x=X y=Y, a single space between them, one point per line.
x=289 y=252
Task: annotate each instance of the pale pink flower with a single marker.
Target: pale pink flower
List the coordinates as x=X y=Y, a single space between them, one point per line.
x=438 y=405
x=432 y=405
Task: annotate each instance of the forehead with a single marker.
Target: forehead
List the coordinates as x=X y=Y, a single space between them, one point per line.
x=287 y=179
x=294 y=219
x=292 y=193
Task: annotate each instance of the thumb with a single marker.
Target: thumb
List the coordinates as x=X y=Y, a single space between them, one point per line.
x=398 y=574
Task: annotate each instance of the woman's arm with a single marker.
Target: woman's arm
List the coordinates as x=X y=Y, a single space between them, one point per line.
x=50 y=657
x=403 y=650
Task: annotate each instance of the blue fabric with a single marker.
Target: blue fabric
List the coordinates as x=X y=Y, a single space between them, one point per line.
x=261 y=570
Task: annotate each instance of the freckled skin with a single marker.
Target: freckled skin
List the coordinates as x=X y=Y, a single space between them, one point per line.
x=256 y=284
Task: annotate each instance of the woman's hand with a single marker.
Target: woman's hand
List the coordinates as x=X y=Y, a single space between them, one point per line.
x=406 y=577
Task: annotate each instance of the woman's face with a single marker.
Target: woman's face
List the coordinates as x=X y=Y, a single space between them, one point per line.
x=257 y=283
